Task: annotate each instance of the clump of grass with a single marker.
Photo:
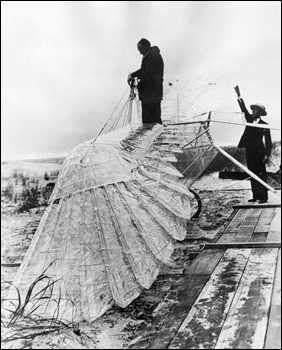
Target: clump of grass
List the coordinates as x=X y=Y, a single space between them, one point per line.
x=22 y=312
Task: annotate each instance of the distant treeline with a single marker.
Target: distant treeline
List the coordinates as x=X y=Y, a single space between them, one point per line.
x=221 y=163
x=58 y=160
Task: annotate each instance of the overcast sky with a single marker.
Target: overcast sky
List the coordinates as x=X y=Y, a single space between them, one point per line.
x=64 y=64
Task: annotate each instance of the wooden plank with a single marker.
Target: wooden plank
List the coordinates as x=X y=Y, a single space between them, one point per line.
x=275 y=227
x=255 y=212
x=241 y=227
x=244 y=234
x=157 y=334
x=267 y=212
x=262 y=228
x=267 y=215
x=234 y=226
x=246 y=321
x=265 y=220
x=237 y=189
x=241 y=214
x=250 y=222
x=173 y=310
x=203 y=324
x=248 y=206
x=258 y=237
x=273 y=334
x=227 y=238
x=243 y=245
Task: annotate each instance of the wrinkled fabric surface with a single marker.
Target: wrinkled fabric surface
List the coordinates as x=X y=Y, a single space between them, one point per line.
x=116 y=209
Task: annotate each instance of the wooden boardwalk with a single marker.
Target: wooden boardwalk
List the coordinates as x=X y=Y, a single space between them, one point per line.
x=230 y=295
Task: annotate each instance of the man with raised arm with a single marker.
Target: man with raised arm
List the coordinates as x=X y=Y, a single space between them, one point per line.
x=258 y=144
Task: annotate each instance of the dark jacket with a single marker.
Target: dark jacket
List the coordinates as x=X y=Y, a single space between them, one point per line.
x=150 y=75
x=252 y=138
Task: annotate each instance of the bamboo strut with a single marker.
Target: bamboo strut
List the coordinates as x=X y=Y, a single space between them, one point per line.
x=261 y=126
x=252 y=125
x=254 y=176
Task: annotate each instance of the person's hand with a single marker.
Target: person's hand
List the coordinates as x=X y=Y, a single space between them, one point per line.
x=236 y=88
x=266 y=159
x=129 y=79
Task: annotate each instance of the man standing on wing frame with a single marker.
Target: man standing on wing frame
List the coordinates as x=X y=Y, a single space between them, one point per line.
x=150 y=82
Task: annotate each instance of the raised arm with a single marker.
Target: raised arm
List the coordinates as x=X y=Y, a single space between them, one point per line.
x=236 y=88
x=242 y=104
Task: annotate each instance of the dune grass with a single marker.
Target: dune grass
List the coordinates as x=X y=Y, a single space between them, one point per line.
x=22 y=314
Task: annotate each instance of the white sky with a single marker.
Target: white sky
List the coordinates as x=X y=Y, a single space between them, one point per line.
x=64 y=64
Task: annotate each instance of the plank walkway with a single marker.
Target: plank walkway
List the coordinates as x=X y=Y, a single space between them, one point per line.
x=230 y=295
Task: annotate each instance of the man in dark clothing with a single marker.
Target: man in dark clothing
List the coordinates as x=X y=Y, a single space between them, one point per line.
x=257 y=150
x=150 y=81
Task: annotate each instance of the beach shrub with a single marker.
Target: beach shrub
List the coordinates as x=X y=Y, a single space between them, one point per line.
x=8 y=192
x=29 y=199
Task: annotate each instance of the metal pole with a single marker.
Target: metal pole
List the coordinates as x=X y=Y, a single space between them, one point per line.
x=254 y=176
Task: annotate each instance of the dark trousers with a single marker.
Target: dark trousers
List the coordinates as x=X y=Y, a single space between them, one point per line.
x=151 y=113
x=254 y=162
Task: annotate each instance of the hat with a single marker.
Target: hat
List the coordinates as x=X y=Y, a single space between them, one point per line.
x=260 y=107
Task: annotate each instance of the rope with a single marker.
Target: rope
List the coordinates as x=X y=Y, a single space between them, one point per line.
x=119 y=115
x=227 y=112
x=110 y=117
